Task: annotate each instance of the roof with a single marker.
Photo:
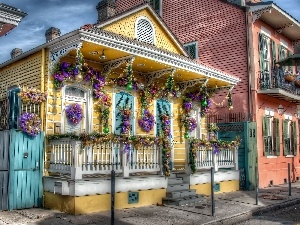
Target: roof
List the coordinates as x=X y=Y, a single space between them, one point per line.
x=276 y=17
x=11 y=9
x=156 y=16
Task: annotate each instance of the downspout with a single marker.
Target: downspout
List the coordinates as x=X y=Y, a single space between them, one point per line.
x=248 y=66
x=43 y=88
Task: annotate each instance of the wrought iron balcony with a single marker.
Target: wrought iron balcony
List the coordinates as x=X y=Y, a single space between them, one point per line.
x=276 y=84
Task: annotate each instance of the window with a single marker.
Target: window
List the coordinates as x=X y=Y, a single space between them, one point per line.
x=289 y=132
x=267 y=59
x=74 y=94
x=192 y=49
x=123 y=101
x=144 y=30
x=282 y=54
x=271 y=136
x=156 y=5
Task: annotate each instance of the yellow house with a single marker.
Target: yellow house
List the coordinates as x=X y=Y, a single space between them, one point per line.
x=122 y=95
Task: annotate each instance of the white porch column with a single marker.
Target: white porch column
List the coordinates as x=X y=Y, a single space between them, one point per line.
x=76 y=169
x=125 y=162
x=236 y=158
x=187 y=157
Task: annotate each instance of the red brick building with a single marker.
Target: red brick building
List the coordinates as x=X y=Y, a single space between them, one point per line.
x=9 y=18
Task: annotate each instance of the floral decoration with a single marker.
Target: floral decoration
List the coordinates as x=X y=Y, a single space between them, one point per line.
x=126 y=114
x=104 y=105
x=170 y=90
x=30 y=124
x=189 y=123
x=212 y=127
x=215 y=145
x=147 y=121
x=165 y=124
x=74 y=113
x=32 y=96
x=230 y=105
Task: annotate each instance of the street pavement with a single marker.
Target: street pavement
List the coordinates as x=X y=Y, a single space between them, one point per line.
x=230 y=208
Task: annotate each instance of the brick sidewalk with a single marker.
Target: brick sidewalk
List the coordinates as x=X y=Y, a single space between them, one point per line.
x=230 y=208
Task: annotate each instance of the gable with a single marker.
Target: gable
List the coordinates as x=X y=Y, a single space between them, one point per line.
x=127 y=25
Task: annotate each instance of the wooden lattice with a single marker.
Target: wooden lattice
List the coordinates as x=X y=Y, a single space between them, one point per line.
x=24 y=72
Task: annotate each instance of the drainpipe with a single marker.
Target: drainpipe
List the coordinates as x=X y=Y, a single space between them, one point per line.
x=248 y=66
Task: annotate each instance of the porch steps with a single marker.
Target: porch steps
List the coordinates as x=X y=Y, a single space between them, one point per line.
x=179 y=192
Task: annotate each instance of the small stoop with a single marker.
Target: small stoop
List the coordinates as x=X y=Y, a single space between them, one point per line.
x=179 y=192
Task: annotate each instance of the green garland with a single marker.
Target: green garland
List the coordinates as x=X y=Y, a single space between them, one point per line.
x=196 y=143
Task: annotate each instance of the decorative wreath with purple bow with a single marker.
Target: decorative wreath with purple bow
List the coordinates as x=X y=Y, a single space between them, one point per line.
x=30 y=124
x=147 y=121
x=74 y=113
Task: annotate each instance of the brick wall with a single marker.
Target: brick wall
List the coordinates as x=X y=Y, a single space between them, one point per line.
x=219 y=27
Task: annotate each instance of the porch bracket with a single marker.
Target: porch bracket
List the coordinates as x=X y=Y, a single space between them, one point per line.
x=191 y=83
x=55 y=54
x=157 y=74
x=113 y=64
x=257 y=14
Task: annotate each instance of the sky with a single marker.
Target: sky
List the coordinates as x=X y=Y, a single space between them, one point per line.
x=68 y=15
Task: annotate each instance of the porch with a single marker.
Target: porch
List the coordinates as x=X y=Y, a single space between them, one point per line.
x=73 y=167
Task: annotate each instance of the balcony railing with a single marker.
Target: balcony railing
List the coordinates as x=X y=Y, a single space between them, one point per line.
x=68 y=157
x=276 y=79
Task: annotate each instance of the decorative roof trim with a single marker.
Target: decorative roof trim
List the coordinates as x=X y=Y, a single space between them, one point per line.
x=133 y=47
x=258 y=9
x=154 y=14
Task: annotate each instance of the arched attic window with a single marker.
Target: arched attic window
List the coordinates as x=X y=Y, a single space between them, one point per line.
x=144 y=30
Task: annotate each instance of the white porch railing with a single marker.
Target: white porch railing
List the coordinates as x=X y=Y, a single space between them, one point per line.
x=67 y=157
x=225 y=158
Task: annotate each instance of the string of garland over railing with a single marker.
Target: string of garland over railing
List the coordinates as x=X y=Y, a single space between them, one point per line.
x=84 y=154
x=204 y=154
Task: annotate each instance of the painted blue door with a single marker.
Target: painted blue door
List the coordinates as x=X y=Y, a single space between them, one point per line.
x=123 y=100
x=25 y=170
x=228 y=132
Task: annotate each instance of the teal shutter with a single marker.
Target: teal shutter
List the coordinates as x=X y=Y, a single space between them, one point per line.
x=261 y=52
x=191 y=50
x=273 y=53
x=294 y=138
x=266 y=125
x=276 y=136
x=286 y=140
x=162 y=107
x=14 y=108
x=122 y=99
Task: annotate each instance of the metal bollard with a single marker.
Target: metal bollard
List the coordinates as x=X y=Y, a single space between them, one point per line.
x=212 y=173
x=289 y=179
x=256 y=185
x=112 y=200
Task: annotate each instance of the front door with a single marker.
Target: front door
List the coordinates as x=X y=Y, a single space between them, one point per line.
x=25 y=177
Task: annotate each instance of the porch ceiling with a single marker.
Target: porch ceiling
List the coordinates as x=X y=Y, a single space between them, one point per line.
x=143 y=65
x=281 y=94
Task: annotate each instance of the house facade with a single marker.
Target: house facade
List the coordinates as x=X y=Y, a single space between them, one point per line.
x=273 y=35
x=122 y=95
x=10 y=17
x=246 y=42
